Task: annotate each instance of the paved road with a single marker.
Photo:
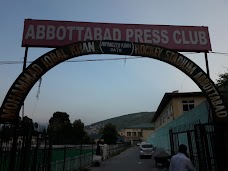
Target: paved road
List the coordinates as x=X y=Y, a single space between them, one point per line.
x=127 y=161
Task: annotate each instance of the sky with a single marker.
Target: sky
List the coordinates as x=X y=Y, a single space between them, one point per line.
x=95 y=91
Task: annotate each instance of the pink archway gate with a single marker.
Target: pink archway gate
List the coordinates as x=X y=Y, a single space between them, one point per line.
x=26 y=80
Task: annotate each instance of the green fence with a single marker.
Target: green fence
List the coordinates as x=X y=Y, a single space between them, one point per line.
x=160 y=138
x=42 y=156
x=71 y=158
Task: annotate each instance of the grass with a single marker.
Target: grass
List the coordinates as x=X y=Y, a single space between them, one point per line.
x=58 y=154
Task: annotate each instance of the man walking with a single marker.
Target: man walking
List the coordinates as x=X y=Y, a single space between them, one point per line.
x=180 y=161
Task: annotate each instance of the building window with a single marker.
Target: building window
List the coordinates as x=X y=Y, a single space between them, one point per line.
x=169 y=111
x=134 y=134
x=188 y=105
x=129 y=134
x=160 y=120
x=163 y=118
x=140 y=134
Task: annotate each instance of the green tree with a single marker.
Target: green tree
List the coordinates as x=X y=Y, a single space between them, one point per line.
x=60 y=128
x=44 y=133
x=26 y=120
x=223 y=79
x=6 y=132
x=25 y=125
x=86 y=140
x=110 y=133
x=79 y=133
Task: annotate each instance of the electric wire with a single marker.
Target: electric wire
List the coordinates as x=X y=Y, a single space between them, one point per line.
x=111 y=59
x=83 y=60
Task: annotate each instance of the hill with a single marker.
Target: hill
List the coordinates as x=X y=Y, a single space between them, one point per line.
x=122 y=121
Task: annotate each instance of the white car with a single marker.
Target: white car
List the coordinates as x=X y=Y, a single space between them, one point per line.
x=140 y=144
x=146 y=150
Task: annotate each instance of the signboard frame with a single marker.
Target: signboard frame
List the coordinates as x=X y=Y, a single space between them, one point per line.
x=54 y=33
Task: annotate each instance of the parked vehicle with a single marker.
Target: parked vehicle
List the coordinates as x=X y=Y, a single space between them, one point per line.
x=146 y=150
x=140 y=145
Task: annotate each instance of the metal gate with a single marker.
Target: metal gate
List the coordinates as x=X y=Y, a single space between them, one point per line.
x=23 y=148
x=200 y=141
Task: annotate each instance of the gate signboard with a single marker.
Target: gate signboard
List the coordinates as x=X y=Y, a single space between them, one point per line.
x=51 y=33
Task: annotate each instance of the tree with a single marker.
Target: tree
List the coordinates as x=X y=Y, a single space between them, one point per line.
x=78 y=131
x=26 y=120
x=25 y=126
x=60 y=128
x=109 y=133
x=44 y=133
x=6 y=132
x=223 y=79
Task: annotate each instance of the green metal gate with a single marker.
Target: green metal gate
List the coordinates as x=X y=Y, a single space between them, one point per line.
x=23 y=148
x=201 y=145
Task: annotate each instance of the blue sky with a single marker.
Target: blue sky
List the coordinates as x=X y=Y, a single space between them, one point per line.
x=94 y=91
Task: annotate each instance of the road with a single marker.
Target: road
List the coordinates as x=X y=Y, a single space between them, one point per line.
x=127 y=161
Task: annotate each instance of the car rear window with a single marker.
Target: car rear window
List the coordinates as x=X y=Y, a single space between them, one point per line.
x=147 y=146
